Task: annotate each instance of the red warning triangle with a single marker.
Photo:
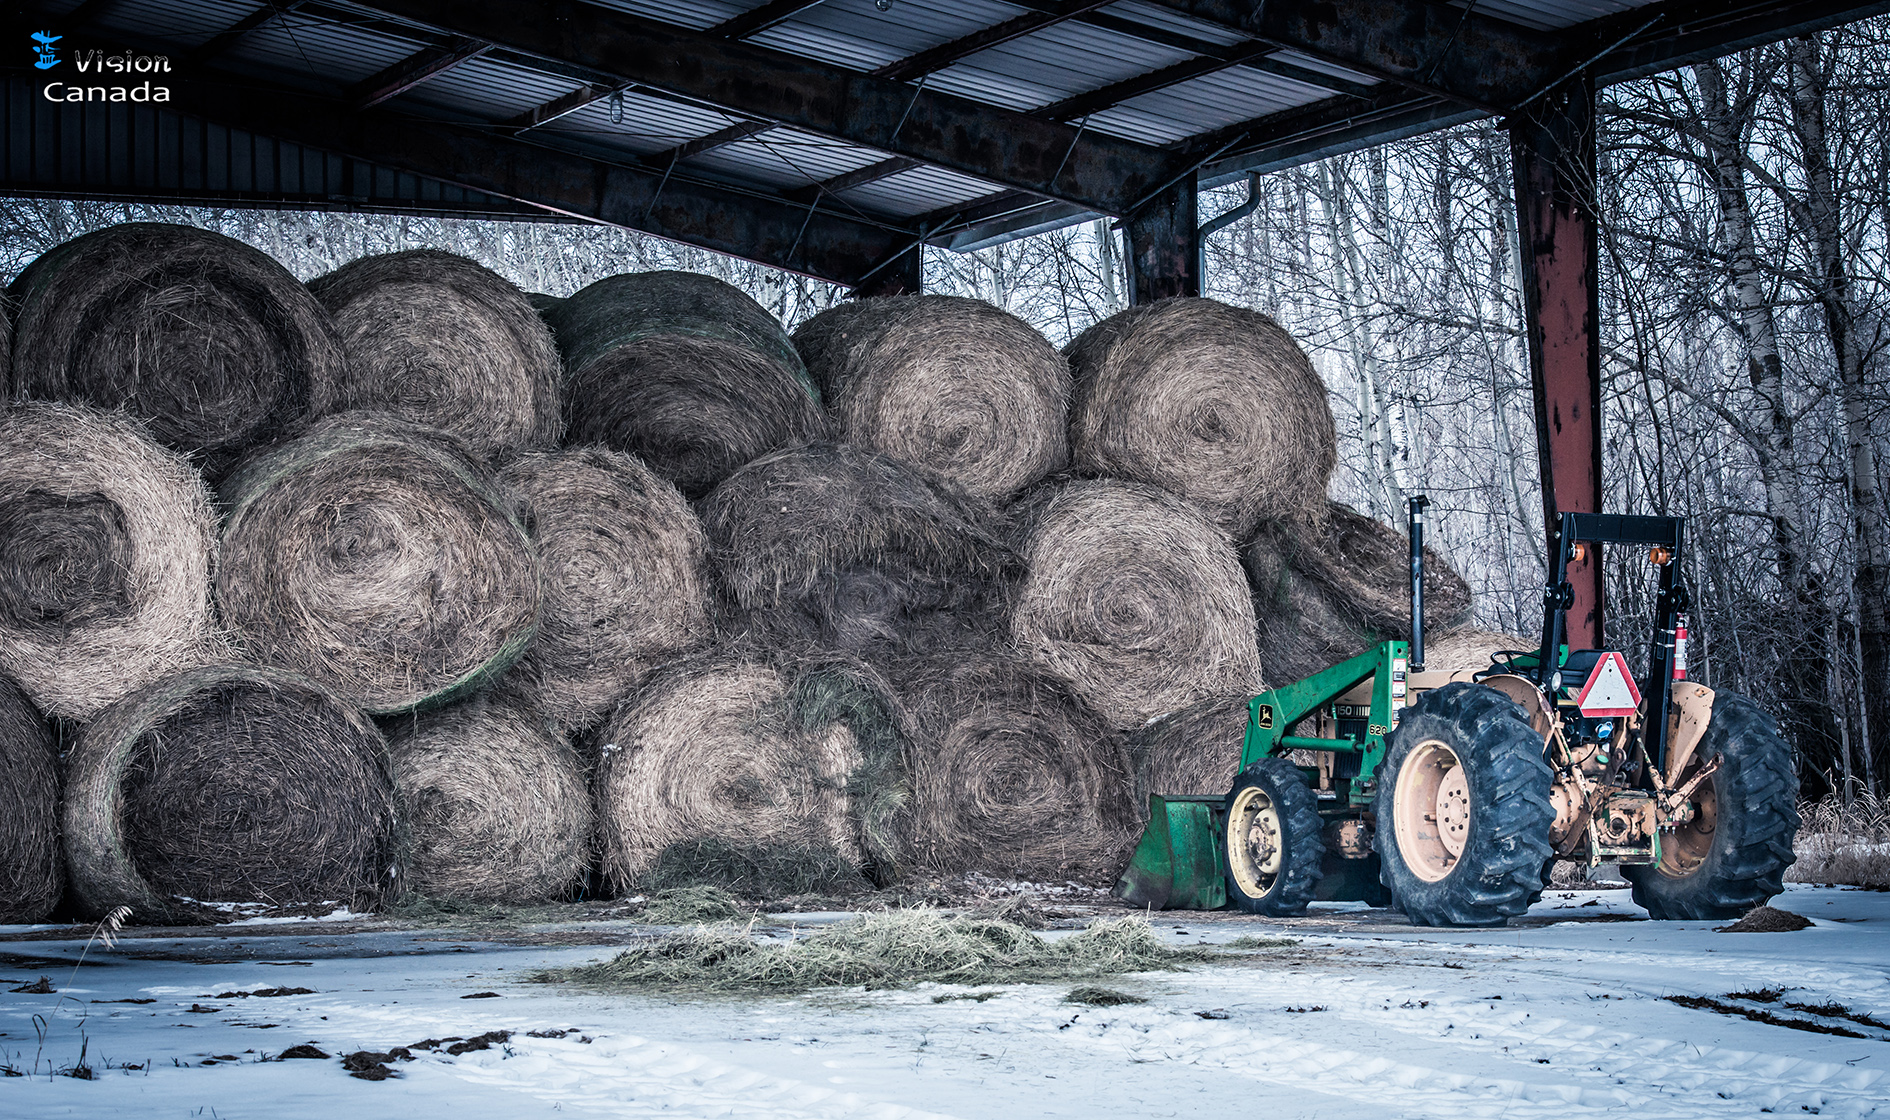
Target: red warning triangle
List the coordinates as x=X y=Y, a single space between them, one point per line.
x=1610 y=690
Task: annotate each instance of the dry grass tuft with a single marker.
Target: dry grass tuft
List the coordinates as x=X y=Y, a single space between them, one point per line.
x=1844 y=838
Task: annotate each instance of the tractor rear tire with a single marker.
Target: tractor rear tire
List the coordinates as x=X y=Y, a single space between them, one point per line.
x=1273 y=848
x=1733 y=854
x=1463 y=809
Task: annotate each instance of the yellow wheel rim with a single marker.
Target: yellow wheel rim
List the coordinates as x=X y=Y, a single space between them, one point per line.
x=1430 y=810
x=1255 y=846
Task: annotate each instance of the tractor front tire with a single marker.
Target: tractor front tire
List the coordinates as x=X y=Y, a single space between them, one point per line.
x=1463 y=809
x=1733 y=854
x=1272 y=850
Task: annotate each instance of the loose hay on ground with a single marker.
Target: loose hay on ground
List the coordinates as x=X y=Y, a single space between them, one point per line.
x=684 y=371
x=379 y=558
x=881 y=951
x=32 y=870
x=1215 y=403
x=106 y=548
x=208 y=339
x=955 y=385
x=437 y=339
x=677 y=906
x=625 y=587
x=1134 y=599
x=228 y=785
x=495 y=804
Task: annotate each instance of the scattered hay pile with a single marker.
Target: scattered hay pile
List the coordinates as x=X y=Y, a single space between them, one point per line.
x=1195 y=749
x=1009 y=774
x=677 y=906
x=494 y=802
x=32 y=874
x=1327 y=593
x=228 y=785
x=211 y=341
x=685 y=372
x=1215 y=403
x=436 y=339
x=957 y=386
x=882 y=951
x=106 y=544
x=835 y=547
x=708 y=757
x=625 y=588
x=1135 y=599
x=377 y=557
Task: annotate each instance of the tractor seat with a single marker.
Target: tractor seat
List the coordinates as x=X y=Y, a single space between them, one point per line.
x=1580 y=663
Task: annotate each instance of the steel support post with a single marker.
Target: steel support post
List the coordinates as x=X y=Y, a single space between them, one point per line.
x=1553 y=148
x=1165 y=245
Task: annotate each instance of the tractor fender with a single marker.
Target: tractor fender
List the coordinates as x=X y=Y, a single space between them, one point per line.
x=1692 y=711
x=1571 y=809
x=1536 y=706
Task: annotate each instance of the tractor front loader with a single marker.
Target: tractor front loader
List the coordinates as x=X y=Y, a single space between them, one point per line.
x=1451 y=795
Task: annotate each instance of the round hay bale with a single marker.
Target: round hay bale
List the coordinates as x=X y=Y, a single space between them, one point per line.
x=542 y=303
x=1011 y=775
x=1470 y=650
x=1326 y=591
x=685 y=372
x=849 y=693
x=494 y=802
x=848 y=549
x=624 y=583
x=378 y=558
x=1195 y=749
x=708 y=766
x=1134 y=599
x=32 y=872
x=436 y=339
x=955 y=385
x=1215 y=403
x=106 y=547
x=228 y=785
x=209 y=340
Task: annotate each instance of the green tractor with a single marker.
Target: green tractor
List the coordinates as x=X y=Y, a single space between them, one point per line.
x=1451 y=796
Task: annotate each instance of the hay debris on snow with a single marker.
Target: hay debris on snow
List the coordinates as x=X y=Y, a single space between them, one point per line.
x=1767 y=919
x=625 y=586
x=379 y=558
x=437 y=339
x=709 y=752
x=106 y=547
x=676 y=906
x=1010 y=775
x=32 y=871
x=495 y=804
x=882 y=951
x=684 y=371
x=1215 y=403
x=208 y=339
x=954 y=385
x=1134 y=599
x=861 y=548
x=228 y=785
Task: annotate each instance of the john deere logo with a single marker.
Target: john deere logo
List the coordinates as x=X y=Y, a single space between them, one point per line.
x=45 y=55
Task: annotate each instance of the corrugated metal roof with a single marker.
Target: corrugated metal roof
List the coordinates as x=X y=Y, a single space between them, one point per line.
x=856 y=34
x=1052 y=64
x=919 y=191
x=1551 y=15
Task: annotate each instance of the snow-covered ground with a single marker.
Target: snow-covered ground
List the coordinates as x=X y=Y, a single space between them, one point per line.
x=1560 y=1016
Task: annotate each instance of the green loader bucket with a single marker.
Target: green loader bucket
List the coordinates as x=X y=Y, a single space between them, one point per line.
x=1177 y=865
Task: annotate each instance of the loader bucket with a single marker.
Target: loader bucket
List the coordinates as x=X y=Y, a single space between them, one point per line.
x=1177 y=864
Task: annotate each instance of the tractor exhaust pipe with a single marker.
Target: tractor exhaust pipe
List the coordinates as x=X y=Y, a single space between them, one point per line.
x=1417 y=581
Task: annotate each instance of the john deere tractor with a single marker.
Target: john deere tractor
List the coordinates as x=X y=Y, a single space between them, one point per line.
x=1451 y=795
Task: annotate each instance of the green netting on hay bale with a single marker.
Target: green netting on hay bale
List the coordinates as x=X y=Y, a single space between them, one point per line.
x=831 y=691
x=494 y=802
x=1215 y=403
x=625 y=583
x=1133 y=598
x=32 y=870
x=1010 y=774
x=228 y=787
x=106 y=547
x=380 y=559
x=685 y=372
x=437 y=339
x=955 y=385
x=212 y=342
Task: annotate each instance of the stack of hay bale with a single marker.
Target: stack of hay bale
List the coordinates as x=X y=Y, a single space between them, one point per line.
x=403 y=582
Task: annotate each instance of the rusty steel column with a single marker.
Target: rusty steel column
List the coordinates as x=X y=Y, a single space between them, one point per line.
x=1552 y=144
x=1164 y=245
x=905 y=276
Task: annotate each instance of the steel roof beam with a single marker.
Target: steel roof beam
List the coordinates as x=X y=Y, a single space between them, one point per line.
x=720 y=138
x=558 y=107
x=938 y=58
x=859 y=177
x=414 y=70
x=757 y=20
x=1007 y=148
x=228 y=37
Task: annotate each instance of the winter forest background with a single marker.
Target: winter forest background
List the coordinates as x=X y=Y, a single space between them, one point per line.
x=1745 y=227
